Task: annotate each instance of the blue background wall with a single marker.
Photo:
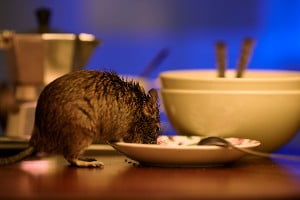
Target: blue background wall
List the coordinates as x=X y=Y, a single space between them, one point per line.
x=133 y=31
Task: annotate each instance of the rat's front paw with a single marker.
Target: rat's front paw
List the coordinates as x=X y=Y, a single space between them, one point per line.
x=96 y=164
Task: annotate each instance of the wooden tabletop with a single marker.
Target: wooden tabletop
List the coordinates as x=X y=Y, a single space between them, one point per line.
x=50 y=177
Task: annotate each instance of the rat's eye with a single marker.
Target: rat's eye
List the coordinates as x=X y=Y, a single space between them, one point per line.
x=157 y=129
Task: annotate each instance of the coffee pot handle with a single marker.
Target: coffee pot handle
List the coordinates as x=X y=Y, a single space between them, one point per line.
x=6 y=39
x=43 y=19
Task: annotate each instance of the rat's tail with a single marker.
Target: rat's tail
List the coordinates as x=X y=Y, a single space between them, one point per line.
x=18 y=157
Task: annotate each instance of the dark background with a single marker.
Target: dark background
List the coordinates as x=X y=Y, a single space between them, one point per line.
x=133 y=31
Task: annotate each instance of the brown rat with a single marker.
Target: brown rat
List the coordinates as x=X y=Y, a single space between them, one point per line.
x=84 y=106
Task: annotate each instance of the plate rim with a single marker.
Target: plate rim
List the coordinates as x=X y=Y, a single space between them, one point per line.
x=253 y=144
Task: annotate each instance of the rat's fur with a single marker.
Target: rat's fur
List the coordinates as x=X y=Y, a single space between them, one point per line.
x=84 y=106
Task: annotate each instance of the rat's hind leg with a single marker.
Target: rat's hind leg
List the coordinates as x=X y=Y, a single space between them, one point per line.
x=74 y=150
x=77 y=160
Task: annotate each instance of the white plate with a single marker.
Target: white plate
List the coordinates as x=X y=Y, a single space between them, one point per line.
x=182 y=151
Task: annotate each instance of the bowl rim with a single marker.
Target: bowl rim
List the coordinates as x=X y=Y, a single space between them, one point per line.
x=232 y=92
x=174 y=75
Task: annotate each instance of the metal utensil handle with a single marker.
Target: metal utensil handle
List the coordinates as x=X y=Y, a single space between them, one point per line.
x=266 y=155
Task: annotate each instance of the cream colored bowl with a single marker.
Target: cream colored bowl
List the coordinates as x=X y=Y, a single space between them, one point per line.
x=272 y=117
x=252 y=80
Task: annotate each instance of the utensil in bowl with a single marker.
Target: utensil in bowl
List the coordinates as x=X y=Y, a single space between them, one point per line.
x=221 y=54
x=246 y=51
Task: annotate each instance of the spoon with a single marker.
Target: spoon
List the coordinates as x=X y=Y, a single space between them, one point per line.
x=221 y=142
x=155 y=62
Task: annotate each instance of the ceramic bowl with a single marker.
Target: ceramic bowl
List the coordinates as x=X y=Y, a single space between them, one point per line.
x=271 y=117
x=252 y=80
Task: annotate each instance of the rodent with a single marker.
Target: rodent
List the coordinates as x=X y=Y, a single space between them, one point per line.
x=85 y=106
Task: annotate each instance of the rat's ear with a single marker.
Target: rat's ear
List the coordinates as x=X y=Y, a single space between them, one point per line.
x=153 y=94
x=150 y=108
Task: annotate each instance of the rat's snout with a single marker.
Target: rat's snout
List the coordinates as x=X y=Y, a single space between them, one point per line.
x=153 y=142
x=151 y=137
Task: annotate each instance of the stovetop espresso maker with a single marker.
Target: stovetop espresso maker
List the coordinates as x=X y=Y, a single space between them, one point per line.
x=34 y=60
